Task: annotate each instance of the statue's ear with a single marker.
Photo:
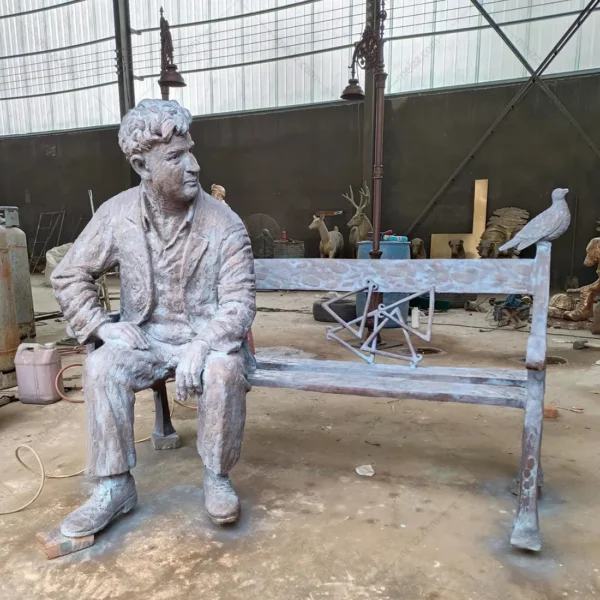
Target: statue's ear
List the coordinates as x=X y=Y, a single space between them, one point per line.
x=138 y=164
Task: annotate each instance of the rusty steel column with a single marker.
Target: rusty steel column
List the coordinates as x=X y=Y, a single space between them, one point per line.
x=380 y=77
x=124 y=55
x=368 y=112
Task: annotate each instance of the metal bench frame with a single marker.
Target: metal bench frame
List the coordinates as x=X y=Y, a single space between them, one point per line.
x=519 y=388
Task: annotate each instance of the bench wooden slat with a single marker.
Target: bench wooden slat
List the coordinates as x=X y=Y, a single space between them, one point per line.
x=490 y=276
x=336 y=368
x=389 y=387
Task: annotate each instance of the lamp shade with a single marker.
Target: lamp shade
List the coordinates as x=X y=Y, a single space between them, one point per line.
x=353 y=91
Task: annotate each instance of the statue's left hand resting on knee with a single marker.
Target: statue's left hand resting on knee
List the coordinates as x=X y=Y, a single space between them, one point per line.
x=187 y=303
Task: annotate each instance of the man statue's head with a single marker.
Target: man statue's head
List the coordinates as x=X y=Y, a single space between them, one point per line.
x=155 y=138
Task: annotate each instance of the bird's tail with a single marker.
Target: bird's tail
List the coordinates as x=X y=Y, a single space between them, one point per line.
x=510 y=244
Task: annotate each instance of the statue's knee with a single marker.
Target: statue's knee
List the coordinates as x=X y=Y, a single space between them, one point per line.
x=102 y=363
x=223 y=369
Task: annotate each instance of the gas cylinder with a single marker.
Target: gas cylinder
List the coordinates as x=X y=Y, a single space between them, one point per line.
x=9 y=329
x=19 y=264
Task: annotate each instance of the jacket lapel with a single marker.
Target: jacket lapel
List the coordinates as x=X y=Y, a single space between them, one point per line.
x=138 y=255
x=196 y=244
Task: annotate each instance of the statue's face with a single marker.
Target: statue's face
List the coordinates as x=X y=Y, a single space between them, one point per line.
x=171 y=170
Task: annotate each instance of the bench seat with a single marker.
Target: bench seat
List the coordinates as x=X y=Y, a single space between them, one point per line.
x=496 y=387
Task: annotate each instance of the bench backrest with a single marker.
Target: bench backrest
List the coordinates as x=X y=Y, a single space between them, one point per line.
x=446 y=276
x=487 y=276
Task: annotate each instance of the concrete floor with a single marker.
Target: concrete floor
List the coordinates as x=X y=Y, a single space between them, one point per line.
x=433 y=522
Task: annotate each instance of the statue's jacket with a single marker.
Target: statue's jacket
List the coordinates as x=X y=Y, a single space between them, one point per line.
x=218 y=292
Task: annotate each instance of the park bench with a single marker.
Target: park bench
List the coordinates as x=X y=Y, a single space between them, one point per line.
x=519 y=388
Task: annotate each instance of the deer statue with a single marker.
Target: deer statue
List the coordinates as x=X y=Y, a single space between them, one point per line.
x=332 y=242
x=359 y=224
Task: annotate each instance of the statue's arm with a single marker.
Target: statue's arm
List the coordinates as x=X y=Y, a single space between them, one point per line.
x=236 y=293
x=73 y=280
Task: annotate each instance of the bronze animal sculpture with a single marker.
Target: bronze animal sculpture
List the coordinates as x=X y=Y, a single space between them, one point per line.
x=332 y=242
x=360 y=225
x=560 y=304
x=546 y=227
x=187 y=303
x=457 y=248
x=502 y=226
x=417 y=248
x=588 y=293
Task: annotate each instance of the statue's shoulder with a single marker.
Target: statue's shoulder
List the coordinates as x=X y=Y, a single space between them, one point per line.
x=222 y=216
x=120 y=205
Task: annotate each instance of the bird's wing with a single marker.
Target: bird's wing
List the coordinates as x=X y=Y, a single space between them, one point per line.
x=538 y=228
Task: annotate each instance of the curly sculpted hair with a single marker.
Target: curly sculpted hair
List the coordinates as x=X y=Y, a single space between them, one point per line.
x=152 y=122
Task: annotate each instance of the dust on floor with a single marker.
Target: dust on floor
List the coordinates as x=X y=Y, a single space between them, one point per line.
x=433 y=522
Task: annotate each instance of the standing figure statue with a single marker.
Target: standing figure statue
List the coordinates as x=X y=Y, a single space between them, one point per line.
x=218 y=191
x=166 y=43
x=187 y=303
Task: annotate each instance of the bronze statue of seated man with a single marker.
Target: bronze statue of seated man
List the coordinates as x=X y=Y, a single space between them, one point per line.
x=187 y=303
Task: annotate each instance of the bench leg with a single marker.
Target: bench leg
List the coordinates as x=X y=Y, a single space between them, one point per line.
x=515 y=486
x=526 y=527
x=164 y=436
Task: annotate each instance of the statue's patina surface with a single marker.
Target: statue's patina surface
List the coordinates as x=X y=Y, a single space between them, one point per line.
x=187 y=303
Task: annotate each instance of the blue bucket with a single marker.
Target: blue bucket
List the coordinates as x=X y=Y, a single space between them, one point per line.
x=390 y=250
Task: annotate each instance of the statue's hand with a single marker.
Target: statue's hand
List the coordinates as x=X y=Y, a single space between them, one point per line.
x=127 y=333
x=188 y=375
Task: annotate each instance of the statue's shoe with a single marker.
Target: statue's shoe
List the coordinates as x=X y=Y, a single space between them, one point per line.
x=221 y=501
x=112 y=497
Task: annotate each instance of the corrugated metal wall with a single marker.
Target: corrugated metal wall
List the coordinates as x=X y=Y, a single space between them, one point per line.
x=293 y=52
x=58 y=68
x=45 y=53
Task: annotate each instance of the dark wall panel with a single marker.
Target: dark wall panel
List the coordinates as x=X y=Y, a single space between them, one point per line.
x=287 y=164
x=291 y=163
x=534 y=150
x=52 y=172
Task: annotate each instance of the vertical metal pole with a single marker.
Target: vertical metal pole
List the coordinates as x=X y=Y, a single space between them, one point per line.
x=380 y=76
x=369 y=112
x=164 y=54
x=124 y=55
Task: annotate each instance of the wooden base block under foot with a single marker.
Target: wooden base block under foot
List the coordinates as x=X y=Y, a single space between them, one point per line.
x=55 y=544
